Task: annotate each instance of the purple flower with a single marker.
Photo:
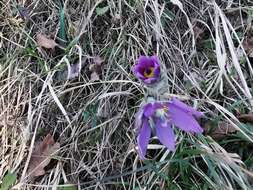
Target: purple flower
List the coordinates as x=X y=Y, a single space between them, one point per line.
x=147 y=69
x=159 y=117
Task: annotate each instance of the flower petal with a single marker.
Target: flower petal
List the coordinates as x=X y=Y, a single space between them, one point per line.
x=150 y=108
x=143 y=139
x=138 y=118
x=150 y=80
x=183 y=120
x=138 y=71
x=186 y=108
x=155 y=59
x=165 y=134
x=157 y=73
x=145 y=61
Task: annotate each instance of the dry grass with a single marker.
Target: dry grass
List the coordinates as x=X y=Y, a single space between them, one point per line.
x=93 y=121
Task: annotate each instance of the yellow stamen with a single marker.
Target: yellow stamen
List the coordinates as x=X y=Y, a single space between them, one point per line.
x=162 y=111
x=150 y=72
x=165 y=109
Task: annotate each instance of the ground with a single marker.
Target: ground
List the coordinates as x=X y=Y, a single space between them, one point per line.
x=68 y=96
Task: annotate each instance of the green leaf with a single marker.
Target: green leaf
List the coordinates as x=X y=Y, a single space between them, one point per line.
x=250 y=12
x=94 y=121
x=189 y=153
x=72 y=43
x=89 y=114
x=68 y=187
x=102 y=11
x=62 y=34
x=8 y=181
x=209 y=44
x=169 y=14
x=86 y=115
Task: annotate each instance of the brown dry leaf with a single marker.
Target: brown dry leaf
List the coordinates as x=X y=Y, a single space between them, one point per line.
x=116 y=19
x=41 y=156
x=94 y=77
x=246 y=118
x=198 y=32
x=74 y=70
x=223 y=129
x=96 y=68
x=248 y=46
x=98 y=60
x=45 y=42
x=248 y=43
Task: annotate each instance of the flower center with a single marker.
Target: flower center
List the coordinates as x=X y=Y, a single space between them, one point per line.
x=162 y=112
x=149 y=72
x=165 y=109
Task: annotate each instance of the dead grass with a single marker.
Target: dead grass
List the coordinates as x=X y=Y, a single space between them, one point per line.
x=93 y=121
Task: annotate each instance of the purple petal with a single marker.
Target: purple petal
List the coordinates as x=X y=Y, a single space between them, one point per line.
x=155 y=59
x=149 y=80
x=183 y=120
x=165 y=134
x=150 y=108
x=138 y=71
x=157 y=72
x=146 y=61
x=143 y=139
x=186 y=108
x=138 y=118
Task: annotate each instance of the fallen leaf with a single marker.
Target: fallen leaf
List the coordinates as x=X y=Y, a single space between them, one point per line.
x=45 y=42
x=248 y=43
x=98 y=60
x=116 y=19
x=95 y=68
x=221 y=130
x=248 y=46
x=246 y=118
x=198 y=32
x=94 y=77
x=74 y=70
x=42 y=155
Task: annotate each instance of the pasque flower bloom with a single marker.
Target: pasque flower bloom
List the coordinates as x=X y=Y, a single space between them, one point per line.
x=147 y=69
x=159 y=117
